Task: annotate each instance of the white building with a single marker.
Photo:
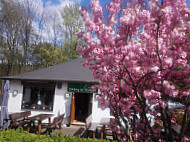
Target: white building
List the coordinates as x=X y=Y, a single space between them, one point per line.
x=63 y=88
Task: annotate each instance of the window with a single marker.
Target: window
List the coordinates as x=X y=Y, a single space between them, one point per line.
x=38 y=96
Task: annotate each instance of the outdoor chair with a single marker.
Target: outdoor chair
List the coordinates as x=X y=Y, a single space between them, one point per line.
x=91 y=126
x=57 y=121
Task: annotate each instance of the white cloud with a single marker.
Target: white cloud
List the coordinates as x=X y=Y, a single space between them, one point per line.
x=70 y=1
x=47 y=16
x=52 y=17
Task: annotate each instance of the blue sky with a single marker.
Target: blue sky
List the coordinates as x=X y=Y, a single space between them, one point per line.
x=86 y=3
x=49 y=10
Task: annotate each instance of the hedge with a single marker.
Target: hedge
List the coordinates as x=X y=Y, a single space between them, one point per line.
x=19 y=135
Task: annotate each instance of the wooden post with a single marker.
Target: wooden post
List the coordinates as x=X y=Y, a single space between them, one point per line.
x=72 y=108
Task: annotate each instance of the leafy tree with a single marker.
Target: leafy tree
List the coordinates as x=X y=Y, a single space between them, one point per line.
x=16 y=34
x=142 y=65
x=19 y=40
x=72 y=23
x=46 y=55
x=9 y=27
x=26 y=30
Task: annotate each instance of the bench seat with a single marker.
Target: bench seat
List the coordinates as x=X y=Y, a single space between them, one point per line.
x=19 y=119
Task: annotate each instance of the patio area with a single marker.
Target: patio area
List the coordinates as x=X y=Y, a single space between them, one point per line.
x=73 y=130
x=77 y=130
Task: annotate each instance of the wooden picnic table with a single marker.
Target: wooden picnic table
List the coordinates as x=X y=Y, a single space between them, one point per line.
x=40 y=118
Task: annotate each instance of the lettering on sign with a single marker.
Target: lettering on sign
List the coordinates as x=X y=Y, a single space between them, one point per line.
x=76 y=87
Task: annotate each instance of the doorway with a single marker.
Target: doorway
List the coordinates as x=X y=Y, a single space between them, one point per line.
x=81 y=107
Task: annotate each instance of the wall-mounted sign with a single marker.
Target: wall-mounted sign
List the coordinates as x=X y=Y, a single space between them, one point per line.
x=81 y=87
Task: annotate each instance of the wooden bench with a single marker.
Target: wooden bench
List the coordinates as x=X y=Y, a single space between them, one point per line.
x=106 y=129
x=57 y=121
x=19 y=119
x=91 y=126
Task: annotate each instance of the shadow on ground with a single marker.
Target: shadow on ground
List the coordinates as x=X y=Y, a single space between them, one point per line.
x=73 y=130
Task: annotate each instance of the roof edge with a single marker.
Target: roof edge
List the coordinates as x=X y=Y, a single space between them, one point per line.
x=46 y=79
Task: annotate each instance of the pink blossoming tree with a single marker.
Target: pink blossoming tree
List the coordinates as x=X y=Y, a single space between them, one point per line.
x=142 y=64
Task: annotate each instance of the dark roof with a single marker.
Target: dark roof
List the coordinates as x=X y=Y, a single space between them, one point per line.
x=71 y=71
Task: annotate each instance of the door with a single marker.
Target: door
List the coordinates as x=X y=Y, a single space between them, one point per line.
x=81 y=106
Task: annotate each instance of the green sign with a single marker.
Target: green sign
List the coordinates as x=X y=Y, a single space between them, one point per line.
x=85 y=88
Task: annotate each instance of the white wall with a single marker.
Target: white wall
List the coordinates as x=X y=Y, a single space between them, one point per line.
x=61 y=104
x=14 y=103
x=97 y=112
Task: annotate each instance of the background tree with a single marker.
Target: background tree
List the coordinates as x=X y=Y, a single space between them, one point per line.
x=10 y=26
x=142 y=65
x=46 y=55
x=28 y=31
x=17 y=34
x=72 y=23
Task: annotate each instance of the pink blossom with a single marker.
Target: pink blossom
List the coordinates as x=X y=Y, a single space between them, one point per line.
x=169 y=61
x=163 y=104
x=173 y=121
x=141 y=60
x=186 y=139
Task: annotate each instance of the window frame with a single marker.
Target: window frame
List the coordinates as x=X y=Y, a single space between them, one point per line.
x=39 y=85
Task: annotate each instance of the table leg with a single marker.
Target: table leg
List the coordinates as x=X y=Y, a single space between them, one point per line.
x=39 y=127
x=102 y=132
x=33 y=125
x=28 y=127
x=114 y=135
x=94 y=135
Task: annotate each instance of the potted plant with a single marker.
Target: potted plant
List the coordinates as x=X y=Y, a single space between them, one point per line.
x=43 y=106
x=33 y=106
x=50 y=106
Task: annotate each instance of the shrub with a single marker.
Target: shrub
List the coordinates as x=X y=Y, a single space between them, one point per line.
x=23 y=136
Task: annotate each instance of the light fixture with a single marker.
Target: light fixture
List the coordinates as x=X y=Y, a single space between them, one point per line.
x=39 y=102
x=67 y=95
x=15 y=92
x=97 y=96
